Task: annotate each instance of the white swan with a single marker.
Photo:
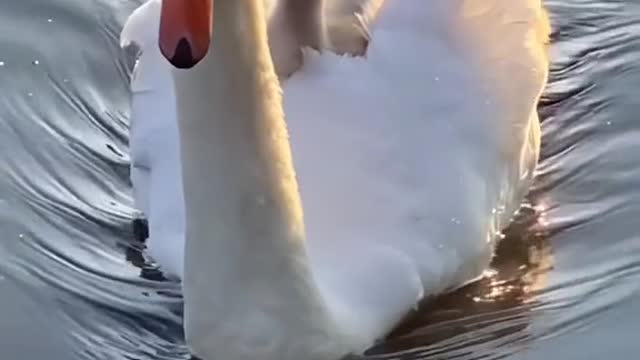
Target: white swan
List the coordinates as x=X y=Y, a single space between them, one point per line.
x=409 y=162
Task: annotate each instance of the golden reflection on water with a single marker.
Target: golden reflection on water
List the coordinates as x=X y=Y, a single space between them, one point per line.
x=500 y=303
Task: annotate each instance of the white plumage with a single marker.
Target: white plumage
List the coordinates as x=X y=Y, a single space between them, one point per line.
x=409 y=160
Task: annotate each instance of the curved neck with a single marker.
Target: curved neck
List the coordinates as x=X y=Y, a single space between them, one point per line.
x=245 y=256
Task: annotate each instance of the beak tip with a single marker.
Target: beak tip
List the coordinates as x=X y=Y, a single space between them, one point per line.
x=182 y=57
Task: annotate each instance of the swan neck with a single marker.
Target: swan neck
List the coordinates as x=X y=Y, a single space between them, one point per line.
x=246 y=268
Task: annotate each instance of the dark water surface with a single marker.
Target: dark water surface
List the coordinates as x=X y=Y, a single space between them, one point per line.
x=566 y=283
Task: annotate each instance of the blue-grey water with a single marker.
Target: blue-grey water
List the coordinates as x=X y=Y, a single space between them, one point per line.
x=73 y=285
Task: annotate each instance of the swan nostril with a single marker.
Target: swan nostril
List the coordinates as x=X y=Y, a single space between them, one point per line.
x=183 y=57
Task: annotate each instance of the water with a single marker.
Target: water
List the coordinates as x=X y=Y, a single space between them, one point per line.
x=72 y=285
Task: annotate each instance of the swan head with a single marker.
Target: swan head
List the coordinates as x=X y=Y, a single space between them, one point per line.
x=185 y=31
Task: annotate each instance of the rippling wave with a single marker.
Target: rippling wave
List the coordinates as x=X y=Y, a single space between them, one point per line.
x=70 y=271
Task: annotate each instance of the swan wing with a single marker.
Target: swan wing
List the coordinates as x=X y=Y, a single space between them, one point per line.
x=349 y=24
x=154 y=141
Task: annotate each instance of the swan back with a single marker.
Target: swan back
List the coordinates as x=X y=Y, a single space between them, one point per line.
x=411 y=160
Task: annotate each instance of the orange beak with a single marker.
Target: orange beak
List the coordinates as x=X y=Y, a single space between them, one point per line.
x=185 y=31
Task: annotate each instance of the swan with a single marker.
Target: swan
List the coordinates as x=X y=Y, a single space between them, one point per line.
x=312 y=235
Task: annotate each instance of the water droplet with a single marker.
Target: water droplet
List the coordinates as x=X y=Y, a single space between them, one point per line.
x=30 y=94
x=49 y=20
x=21 y=236
x=1 y=63
x=608 y=122
x=36 y=62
